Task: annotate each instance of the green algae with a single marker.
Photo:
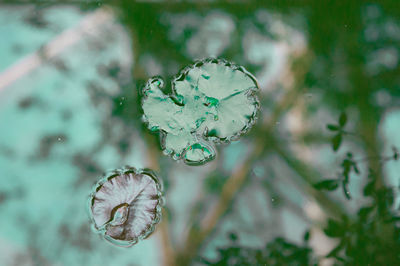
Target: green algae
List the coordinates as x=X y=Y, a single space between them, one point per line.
x=212 y=101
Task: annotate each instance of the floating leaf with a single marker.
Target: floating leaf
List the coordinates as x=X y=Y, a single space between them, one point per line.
x=125 y=206
x=212 y=101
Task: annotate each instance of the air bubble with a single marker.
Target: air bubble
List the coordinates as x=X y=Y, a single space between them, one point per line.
x=125 y=205
x=218 y=104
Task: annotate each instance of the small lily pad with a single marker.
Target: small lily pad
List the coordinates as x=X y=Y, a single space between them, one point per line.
x=125 y=205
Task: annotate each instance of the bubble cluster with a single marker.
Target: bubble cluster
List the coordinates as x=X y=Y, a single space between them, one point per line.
x=126 y=205
x=212 y=101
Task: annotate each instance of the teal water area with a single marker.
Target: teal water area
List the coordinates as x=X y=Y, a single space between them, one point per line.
x=75 y=115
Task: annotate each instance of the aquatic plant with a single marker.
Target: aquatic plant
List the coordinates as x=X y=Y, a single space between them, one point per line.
x=212 y=101
x=125 y=205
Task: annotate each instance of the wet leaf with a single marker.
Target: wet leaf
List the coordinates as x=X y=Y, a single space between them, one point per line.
x=214 y=101
x=125 y=205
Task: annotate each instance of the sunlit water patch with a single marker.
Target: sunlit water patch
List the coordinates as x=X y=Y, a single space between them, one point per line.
x=212 y=101
x=125 y=206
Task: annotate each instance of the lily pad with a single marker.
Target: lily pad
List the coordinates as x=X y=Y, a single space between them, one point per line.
x=212 y=101
x=125 y=205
